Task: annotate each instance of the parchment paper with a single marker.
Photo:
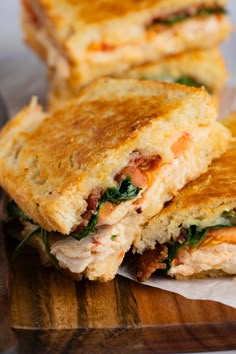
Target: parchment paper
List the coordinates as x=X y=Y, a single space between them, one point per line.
x=219 y=289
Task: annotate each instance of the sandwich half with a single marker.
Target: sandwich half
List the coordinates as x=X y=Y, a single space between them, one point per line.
x=85 y=179
x=83 y=40
x=194 y=236
x=191 y=68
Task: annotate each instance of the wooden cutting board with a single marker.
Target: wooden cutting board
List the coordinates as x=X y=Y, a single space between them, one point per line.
x=52 y=314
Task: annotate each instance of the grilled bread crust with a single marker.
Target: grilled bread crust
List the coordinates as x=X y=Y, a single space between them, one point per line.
x=49 y=164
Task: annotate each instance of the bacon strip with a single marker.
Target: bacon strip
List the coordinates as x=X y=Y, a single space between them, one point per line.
x=150 y=261
x=139 y=170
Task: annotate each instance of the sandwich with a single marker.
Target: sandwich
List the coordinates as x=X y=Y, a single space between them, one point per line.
x=194 y=236
x=84 y=179
x=192 y=68
x=81 y=40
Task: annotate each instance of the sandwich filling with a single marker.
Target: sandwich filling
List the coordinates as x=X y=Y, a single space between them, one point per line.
x=187 y=13
x=106 y=229
x=194 y=251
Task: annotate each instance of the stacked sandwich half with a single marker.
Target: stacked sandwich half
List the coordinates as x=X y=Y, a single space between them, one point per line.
x=154 y=39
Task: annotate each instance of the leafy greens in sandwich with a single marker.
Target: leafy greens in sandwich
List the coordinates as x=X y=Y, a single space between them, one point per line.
x=94 y=172
x=182 y=16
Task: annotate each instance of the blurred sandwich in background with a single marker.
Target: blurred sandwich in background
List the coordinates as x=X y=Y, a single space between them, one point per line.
x=81 y=40
x=193 y=68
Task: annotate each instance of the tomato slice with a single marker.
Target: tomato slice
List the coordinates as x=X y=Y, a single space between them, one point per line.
x=181 y=144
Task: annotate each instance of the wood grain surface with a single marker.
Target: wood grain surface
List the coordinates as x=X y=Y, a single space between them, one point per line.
x=8 y=342
x=53 y=314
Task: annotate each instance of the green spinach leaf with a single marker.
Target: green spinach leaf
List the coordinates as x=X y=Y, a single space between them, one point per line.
x=189 y=81
x=89 y=228
x=194 y=235
x=181 y=17
x=230 y=216
x=23 y=242
x=45 y=235
x=15 y=212
x=125 y=191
